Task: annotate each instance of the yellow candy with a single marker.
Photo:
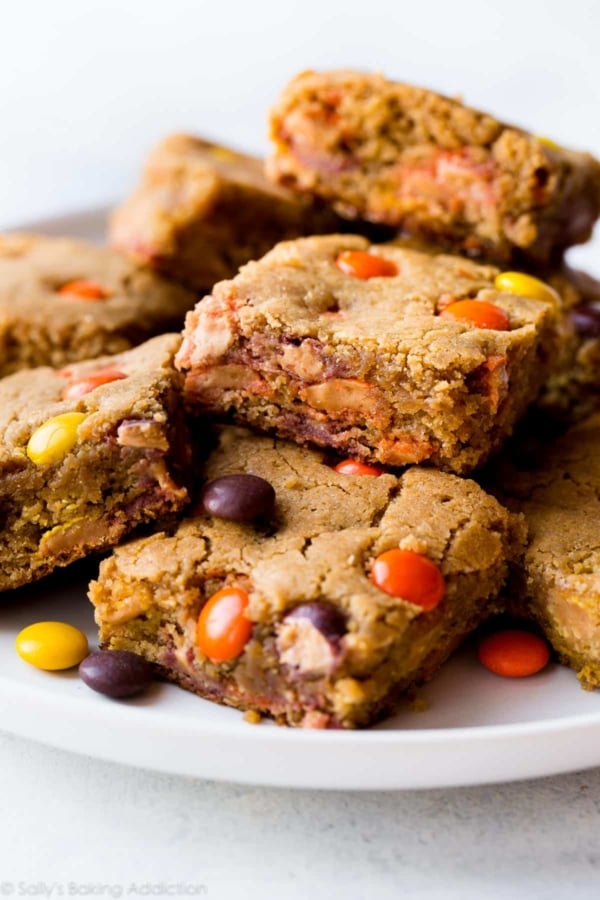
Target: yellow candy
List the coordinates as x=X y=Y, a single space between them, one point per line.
x=525 y=286
x=53 y=440
x=52 y=645
x=548 y=142
x=223 y=154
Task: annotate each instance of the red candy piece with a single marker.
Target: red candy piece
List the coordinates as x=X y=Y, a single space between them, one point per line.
x=365 y=265
x=479 y=313
x=223 y=630
x=513 y=653
x=354 y=467
x=85 y=290
x=409 y=575
x=90 y=382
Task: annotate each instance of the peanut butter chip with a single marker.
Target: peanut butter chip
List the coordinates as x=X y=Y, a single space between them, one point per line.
x=142 y=433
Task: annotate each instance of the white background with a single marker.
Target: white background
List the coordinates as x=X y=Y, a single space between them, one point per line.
x=85 y=89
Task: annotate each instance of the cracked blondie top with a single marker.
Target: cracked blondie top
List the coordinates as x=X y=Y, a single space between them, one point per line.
x=431 y=166
x=202 y=210
x=557 y=487
x=380 y=352
x=87 y=453
x=305 y=613
x=63 y=300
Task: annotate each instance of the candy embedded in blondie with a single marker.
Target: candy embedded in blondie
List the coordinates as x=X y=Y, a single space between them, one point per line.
x=428 y=363
x=321 y=613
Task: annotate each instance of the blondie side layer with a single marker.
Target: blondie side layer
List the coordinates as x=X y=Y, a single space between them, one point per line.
x=573 y=392
x=559 y=584
x=372 y=368
x=202 y=210
x=426 y=164
x=326 y=648
x=63 y=300
x=86 y=454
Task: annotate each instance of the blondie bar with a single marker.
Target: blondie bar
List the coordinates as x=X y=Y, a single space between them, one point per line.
x=62 y=300
x=427 y=164
x=306 y=625
x=202 y=210
x=559 y=583
x=87 y=453
x=572 y=393
x=382 y=368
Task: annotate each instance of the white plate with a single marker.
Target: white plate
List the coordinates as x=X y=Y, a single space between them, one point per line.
x=477 y=729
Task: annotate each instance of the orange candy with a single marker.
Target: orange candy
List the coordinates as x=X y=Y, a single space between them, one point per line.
x=513 y=653
x=354 y=467
x=365 y=265
x=223 y=630
x=90 y=382
x=85 y=290
x=410 y=575
x=479 y=313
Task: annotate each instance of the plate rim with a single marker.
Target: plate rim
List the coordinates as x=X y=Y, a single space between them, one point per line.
x=404 y=760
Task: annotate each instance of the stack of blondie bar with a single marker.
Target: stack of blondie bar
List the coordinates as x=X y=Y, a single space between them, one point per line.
x=377 y=428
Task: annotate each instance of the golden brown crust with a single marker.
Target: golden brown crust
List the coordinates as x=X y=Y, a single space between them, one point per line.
x=427 y=164
x=318 y=549
x=40 y=326
x=202 y=210
x=126 y=465
x=572 y=393
x=559 y=495
x=368 y=367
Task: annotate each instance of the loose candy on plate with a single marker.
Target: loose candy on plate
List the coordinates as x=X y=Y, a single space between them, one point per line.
x=116 y=673
x=51 y=645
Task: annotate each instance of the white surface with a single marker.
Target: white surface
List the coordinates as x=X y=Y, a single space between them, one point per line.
x=75 y=821
x=85 y=88
x=478 y=728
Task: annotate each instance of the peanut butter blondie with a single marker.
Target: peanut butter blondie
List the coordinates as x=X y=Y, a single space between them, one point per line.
x=296 y=599
x=63 y=300
x=559 y=583
x=202 y=210
x=366 y=349
x=88 y=453
x=573 y=391
x=431 y=166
